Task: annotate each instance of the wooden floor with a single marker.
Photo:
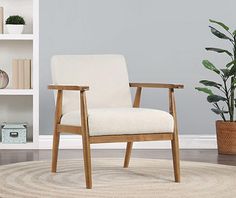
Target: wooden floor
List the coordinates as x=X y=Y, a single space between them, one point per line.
x=210 y=156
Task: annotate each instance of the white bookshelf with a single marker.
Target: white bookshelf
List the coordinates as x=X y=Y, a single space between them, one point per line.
x=21 y=105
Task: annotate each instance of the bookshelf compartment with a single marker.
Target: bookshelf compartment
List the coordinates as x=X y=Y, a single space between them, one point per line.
x=18 y=109
x=23 y=8
x=10 y=50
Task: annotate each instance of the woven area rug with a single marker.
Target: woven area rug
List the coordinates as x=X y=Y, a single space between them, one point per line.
x=145 y=178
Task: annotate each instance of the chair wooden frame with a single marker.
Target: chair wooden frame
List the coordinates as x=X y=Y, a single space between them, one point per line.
x=87 y=140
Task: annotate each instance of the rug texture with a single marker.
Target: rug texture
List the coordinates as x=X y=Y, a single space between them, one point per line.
x=144 y=178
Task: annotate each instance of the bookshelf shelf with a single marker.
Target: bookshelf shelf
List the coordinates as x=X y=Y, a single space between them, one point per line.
x=17 y=92
x=21 y=105
x=19 y=37
x=28 y=145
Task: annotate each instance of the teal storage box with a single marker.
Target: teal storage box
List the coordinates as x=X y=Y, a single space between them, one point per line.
x=14 y=133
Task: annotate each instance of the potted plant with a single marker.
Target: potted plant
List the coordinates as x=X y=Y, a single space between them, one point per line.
x=222 y=94
x=15 y=24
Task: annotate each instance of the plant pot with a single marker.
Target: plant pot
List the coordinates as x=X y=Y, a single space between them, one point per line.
x=15 y=29
x=226 y=137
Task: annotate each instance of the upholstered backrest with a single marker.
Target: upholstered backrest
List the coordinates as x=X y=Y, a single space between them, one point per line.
x=106 y=76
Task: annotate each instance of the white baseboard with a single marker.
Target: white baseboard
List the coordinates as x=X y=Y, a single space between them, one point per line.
x=186 y=142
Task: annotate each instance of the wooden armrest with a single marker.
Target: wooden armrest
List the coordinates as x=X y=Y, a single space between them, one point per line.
x=68 y=87
x=156 y=85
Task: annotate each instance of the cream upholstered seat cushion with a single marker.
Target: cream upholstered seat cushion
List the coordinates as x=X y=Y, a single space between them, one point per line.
x=116 y=121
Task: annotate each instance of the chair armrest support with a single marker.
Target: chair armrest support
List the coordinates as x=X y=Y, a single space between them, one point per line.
x=172 y=104
x=68 y=87
x=83 y=105
x=157 y=85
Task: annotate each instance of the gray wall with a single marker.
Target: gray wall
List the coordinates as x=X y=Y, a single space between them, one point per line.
x=163 y=41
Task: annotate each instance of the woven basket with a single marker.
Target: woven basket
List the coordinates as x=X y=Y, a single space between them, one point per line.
x=226 y=137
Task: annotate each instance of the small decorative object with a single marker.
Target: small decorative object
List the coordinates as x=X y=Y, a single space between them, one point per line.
x=15 y=24
x=14 y=133
x=4 y=80
x=223 y=97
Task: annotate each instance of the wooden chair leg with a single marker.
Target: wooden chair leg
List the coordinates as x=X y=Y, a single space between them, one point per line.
x=176 y=160
x=128 y=154
x=56 y=139
x=87 y=162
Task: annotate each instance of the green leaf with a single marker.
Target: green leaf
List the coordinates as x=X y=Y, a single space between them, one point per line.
x=226 y=72
x=219 y=34
x=220 y=23
x=233 y=85
x=215 y=98
x=218 y=50
x=207 y=64
x=205 y=90
x=218 y=111
x=234 y=32
x=233 y=70
x=231 y=63
x=210 y=83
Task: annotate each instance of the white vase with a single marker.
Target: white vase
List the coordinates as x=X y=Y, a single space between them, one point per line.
x=14 y=29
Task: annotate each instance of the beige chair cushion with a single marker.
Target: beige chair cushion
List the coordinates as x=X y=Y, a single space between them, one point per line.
x=106 y=76
x=115 y=121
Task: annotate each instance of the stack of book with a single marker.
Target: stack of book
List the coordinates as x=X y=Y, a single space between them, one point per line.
x=21 y=74
x=1 y=20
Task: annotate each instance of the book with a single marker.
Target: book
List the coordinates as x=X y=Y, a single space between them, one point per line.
x=1 y=20
x=21 y=73
x=15 y=75
x=27 y=73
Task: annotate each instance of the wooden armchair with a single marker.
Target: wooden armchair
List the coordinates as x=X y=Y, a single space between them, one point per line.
x=109 y=115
